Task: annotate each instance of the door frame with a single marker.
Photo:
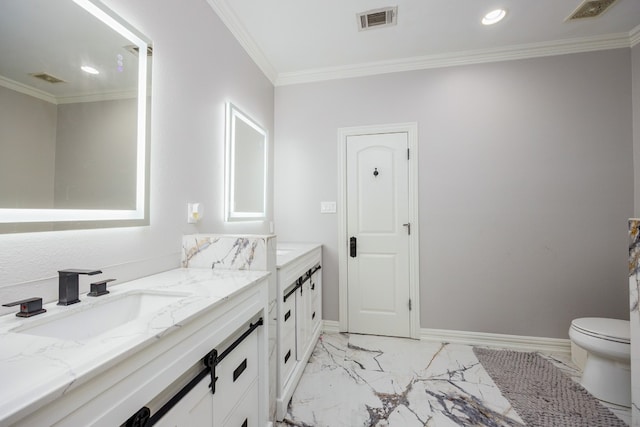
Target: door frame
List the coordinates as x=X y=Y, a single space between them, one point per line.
x=343 y=241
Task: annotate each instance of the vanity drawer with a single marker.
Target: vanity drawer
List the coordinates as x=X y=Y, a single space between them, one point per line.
x=287 y=357
x=235 y=373
x=245 y=414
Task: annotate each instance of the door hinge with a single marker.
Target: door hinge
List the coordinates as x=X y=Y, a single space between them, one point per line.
x=409 y=304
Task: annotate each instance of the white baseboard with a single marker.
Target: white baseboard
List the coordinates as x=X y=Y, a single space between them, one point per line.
x=514 y=342
x=331 y=326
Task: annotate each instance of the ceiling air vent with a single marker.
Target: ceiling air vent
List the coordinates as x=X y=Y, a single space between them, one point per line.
x=590 y=9
x=377 y=18
x=136 y=50
x=47 y=77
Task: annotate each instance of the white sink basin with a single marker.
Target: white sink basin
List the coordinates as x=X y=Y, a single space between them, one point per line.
x=100 y=317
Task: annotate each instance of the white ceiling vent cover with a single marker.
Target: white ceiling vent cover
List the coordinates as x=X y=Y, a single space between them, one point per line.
x=590 y=9
x=377 y=18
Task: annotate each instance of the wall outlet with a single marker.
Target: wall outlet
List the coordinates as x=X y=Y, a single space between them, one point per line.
x=194 y=212
x=327 y=207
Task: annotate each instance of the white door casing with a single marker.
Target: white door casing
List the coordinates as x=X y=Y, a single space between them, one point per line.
x=376 y=286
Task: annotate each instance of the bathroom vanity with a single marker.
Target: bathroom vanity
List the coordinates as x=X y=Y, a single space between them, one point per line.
x=107 y=358
x=299 y=309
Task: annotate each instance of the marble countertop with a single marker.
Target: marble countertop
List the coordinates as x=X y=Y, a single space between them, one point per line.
x=36 y=370
x=287 y=252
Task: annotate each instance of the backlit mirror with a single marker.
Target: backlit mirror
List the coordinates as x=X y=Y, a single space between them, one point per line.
x=246 y=167
x=74 y=86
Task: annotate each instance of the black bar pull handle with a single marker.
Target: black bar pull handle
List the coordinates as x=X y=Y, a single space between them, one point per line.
x=245 y=423
x=287 y=356
x=352 y=247
x=239 y=370
x=287 y=315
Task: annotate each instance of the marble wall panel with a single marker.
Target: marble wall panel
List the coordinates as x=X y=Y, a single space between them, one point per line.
x=634 y=317
x=225 y=252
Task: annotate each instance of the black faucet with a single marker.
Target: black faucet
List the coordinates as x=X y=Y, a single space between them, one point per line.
x=68 y=285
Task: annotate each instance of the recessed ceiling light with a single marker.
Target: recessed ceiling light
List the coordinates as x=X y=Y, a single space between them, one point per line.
x=494 y=17
x=90 y=70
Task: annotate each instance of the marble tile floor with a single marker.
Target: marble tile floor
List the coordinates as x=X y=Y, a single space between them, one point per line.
x=362 y=380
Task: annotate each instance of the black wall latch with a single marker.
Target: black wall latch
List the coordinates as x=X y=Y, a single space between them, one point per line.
x=210 y=362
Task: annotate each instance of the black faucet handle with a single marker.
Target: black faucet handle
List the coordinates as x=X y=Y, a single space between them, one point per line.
x=74 y=271
x=28 y=307
x=99 y=288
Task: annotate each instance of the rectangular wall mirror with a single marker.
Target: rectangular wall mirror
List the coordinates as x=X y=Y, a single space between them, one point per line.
x=246 y=167
x=74 y=95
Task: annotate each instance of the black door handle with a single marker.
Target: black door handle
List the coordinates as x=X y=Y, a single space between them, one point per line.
x=352 y=247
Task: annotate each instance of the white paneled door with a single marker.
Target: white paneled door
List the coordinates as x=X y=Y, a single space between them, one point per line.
x=378 y=230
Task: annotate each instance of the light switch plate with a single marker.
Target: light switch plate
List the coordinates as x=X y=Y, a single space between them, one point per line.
x=327 y=207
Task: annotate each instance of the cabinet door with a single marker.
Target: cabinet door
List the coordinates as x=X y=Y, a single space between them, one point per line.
x=245 y=414
x=316 y=301
x=303 y=319
x=287 y=337
x=236 y=374
x=195 y=409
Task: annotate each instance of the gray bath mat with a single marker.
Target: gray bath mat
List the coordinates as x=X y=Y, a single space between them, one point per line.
x=541 y=394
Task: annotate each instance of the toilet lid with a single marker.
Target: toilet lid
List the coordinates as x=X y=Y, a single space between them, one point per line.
x=609 y=329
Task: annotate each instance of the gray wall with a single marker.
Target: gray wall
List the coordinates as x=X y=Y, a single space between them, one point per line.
x=198 y=65
x=27 y=147
x=526 y=184
x=80 y=155
x=96 y=155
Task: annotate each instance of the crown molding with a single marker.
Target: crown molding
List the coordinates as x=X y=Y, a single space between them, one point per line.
x=27 y=90
x=96 y=97
x=232 y=22
x=66 y=99
x=524 y=51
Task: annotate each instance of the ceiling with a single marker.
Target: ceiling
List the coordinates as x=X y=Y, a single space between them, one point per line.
x=31 y=42
x=296 y=41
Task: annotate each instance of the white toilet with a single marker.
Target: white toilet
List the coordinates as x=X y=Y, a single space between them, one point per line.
x=607 y=372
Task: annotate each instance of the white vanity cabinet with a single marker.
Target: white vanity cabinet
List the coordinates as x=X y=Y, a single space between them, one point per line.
x=299 y=315
x=153 y=367
x=235 y=400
